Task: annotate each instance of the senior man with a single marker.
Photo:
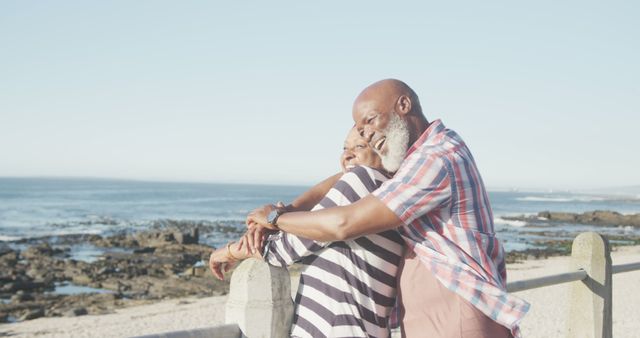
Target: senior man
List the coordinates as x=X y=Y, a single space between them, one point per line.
x=454 y=283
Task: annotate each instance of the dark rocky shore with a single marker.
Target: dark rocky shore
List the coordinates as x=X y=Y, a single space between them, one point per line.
x=166 y=262
x=598 y=217
x=551 y=241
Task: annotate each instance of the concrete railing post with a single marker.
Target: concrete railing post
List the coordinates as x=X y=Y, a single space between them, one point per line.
x=260 y=300
x=590 y=299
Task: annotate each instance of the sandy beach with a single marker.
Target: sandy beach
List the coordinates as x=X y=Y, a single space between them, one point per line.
x=547 y=317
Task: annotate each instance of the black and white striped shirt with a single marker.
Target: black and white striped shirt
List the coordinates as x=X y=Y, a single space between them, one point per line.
x=347 y=289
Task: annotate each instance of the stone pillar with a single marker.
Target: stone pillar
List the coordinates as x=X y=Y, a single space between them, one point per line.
x=260 y=300
x=590 y=299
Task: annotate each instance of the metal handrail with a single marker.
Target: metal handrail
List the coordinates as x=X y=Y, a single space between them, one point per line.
x=625 y=267
x=566 y=277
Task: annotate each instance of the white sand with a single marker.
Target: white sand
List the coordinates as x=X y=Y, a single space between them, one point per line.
x=165 y=316
x=545 y=319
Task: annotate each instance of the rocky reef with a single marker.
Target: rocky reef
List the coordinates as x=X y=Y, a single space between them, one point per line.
x=553 y=241
x=597 y=217
x=40 y=278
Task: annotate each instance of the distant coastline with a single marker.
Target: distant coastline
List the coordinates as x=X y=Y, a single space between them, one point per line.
x=137 y=180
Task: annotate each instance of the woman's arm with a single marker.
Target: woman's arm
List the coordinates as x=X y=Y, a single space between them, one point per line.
x=308 y=199
x=283 y=249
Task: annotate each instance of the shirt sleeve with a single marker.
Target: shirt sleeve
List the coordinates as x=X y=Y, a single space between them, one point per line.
x=422 y=184
x=283 y=249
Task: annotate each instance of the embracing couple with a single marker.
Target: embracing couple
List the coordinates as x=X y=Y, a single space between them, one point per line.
x=404 y=234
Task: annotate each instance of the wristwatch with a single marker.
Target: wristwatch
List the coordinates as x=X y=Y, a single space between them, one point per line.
x=273 y=216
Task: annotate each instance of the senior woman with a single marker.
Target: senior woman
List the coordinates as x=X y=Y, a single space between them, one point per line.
x=347 y=288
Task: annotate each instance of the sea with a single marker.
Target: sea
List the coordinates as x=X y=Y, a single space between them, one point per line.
x=36 y=207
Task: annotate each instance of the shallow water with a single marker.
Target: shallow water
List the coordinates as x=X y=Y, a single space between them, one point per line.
x=73 y=289
x=90 y=253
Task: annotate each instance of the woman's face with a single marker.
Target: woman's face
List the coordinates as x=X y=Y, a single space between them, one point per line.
x=357 y=151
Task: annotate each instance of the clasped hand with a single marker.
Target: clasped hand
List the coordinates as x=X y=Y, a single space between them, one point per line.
x=258 y=227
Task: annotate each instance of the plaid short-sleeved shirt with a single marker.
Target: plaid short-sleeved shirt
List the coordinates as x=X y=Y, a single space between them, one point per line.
x=440 y=197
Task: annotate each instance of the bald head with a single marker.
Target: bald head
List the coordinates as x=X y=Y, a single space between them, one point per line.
x=387 y=92
x=382 y=102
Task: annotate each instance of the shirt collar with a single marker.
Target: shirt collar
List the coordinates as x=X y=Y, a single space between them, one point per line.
x=435 y=127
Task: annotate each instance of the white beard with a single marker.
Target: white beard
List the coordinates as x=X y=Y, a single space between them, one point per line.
x=397 y=143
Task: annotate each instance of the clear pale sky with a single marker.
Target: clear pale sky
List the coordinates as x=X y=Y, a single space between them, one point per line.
x=545 y=93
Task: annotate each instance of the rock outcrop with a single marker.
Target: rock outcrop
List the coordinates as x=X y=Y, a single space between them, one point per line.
x=157 y=264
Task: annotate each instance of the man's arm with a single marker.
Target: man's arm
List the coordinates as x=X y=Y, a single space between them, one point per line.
x=407 y=196
x=284 y=248
x=364 y=217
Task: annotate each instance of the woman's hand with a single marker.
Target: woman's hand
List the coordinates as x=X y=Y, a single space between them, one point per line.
x=223 y=259
x=253 y=240
x=220 y=262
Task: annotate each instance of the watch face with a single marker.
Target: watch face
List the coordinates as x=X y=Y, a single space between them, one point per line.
x=272 y=216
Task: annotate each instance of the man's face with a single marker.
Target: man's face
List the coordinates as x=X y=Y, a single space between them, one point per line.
x=357 y=151
x=385 y=131
x=371 y=120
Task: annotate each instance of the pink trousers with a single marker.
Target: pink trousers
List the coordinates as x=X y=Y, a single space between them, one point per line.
x=429 y=309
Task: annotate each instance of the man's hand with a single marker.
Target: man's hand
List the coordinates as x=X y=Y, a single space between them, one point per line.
x=258 y=227
x=258 y=217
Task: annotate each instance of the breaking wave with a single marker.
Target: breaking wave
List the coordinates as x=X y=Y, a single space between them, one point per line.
x=513 y=223
x=560 y=199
